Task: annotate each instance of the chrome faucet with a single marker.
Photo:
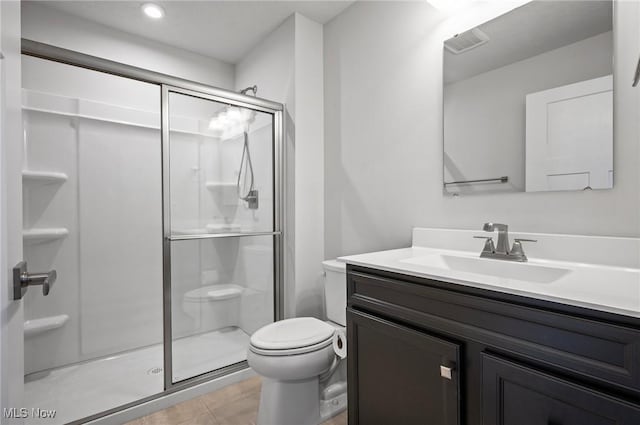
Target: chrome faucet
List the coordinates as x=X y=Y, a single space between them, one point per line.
x=501 y=249
x=503 y=236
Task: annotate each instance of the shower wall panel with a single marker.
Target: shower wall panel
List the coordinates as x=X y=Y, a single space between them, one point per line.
x=120 y=208
x=102 y=132
x=227 y=163
x=185 y=182
x=50 y=144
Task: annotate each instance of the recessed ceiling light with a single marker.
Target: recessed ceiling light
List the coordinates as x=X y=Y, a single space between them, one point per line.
x=153 y=10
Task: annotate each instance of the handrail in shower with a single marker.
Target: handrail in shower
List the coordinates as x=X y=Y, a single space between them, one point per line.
x=502 y=179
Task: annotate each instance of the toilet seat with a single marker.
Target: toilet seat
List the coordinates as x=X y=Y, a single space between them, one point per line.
x=292 y=336
x=292 y=351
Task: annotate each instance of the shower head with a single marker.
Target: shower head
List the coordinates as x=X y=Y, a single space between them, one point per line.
x=233 y=120
x=253 y=88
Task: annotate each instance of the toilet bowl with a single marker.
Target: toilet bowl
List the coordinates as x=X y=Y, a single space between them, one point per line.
x=290 y=355
x=292 y=349
x=213 y=307
x=293 y=355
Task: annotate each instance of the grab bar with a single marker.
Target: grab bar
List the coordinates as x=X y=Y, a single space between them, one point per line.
x=502 y=179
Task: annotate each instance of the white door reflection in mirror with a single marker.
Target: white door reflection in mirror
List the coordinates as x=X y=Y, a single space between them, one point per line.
x=569 y=137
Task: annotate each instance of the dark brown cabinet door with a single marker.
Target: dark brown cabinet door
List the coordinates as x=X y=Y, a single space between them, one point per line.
x=398 y=375
x=517 y=395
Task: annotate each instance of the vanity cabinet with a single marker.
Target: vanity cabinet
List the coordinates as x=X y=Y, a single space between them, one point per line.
x=517 y=395
x=400 y=370
x=513 y=360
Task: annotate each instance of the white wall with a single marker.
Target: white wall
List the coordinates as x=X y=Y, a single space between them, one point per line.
x=287 y=67
x=383 y=144
x=484 y=122
x=270 y=66
x=309 y=166
x=47 y=25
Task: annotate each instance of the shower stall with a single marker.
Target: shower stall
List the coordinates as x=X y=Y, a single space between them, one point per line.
x=158 y=202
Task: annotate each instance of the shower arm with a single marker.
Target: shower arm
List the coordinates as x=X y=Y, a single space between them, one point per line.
x=253 y=88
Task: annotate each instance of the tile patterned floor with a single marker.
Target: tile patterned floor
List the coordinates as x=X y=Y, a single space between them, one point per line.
x=233 y=405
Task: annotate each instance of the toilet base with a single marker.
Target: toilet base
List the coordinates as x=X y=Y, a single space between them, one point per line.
x=289 y=402
x=333 y=407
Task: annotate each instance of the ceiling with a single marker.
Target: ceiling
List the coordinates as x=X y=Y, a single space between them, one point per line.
x=532 y=29
x=225 y=30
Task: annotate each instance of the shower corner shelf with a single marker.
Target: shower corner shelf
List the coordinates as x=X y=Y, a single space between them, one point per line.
x=43 y=177
x=212 y=185
x=39 y=326
x=44 y=234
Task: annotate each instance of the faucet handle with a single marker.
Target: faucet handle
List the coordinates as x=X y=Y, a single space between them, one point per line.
x=517 y=250
x=488 y=244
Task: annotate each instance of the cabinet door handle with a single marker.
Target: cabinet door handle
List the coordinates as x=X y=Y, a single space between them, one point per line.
x=446 y=372
x=636 y=77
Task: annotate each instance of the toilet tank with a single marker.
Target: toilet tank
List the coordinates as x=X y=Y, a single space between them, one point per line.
x=335 y=291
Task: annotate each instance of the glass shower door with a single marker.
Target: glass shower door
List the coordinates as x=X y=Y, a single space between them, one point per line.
x=220 y=229
x=92 y=182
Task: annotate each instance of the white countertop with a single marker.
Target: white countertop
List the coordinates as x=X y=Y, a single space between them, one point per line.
x=610 y=288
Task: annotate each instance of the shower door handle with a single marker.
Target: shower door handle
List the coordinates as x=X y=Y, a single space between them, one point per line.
x=22 y=279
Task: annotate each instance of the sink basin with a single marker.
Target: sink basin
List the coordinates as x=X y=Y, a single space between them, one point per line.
x=498 y=268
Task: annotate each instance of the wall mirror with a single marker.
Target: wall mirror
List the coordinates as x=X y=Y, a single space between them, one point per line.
x=528 y=101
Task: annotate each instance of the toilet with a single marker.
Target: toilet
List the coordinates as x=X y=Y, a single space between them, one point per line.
x=295 y=357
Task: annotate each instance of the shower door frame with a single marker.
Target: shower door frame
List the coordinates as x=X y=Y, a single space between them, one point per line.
x=167 y=84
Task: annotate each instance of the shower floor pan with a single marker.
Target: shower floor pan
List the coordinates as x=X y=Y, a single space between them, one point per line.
x=84 y=389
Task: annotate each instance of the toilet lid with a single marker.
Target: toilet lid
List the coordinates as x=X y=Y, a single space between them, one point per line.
x=292 y=333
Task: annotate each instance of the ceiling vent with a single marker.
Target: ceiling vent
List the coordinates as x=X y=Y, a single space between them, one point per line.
x=465 y=41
